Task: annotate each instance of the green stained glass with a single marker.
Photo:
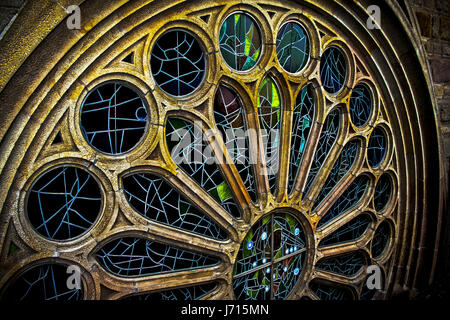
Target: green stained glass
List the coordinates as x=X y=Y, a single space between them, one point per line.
x=186 y=145
x=269 y=111
x=240 y=41
x=271 y=258
x=292 y=47
x=224 y=192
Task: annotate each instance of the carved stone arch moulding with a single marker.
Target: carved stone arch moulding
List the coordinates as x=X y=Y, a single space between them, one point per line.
x=340 y=167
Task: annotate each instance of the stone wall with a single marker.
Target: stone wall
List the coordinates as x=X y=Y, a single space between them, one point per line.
x=433 y=17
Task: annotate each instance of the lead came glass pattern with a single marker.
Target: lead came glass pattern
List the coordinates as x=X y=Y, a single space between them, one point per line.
x=271 y=259
x=178 y=63
x=383 y=192
x=63 y=203
x=292 y=47
x=341 y=167
x=377 y=147
x=179 y=294
x=328 y=137
x=230 y=120
x=155 y=199
x=351 y=197
x=351 y=231
x=301 y=127
x=240 y=42
x=138 y=257
x=333 y=69
x=327 y=292
x=348 y=265
x=114 y=118
x=46 y=282
x=192 y=154
x=381 y=239
x=269 y=111
x=361 y=104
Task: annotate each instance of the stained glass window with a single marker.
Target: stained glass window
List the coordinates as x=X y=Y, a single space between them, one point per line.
x=383 y=192
x=159 y=199
x=381 y=239
x=46 y=282
x=114 y=117
x=327 y=292
x=361 y=104
x=351 y=196
x=138 y=257
x=269 y=110
x=64 y=202
x=292 y=47
x=340 y=169
x=240 y=41
x=230 y=120
x=271 y=259
x=155 y=199
x=349 y=264
x=178 y=63
x=302 y=122
x=333 y=69
x=328 y=137
x=192 y=154
x=351 y=231
x=377 y=147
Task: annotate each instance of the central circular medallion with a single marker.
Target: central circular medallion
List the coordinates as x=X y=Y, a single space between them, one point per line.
x=271 y=258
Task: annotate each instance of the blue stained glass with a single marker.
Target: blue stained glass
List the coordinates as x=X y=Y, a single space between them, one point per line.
x=155 y=199
x=64 y=202
x=328 y=292
x=377 y=147
x=333 y=69
x=328 y=137
x=351 y=197
x=240 y=42
x=269 y=111
x=301 y=127
x=361 y=104
x=179 y=294
x=381 y=239
x=230 y=120
x=351 y=231
x=270 y=267
x=194 y=156
x=383 y=192
x=292 y=47
x=341 y=167
x=46 y=282
x=113 y=118
x=178 y=63
x=138 y=257
x=349 y=264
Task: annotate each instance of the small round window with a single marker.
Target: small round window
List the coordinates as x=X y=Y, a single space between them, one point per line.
x=333 y=69
x=361 y=105
x=63 y=203
x=114 y=118
x=178 y=63
x=292 y=47
x=240 y=42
